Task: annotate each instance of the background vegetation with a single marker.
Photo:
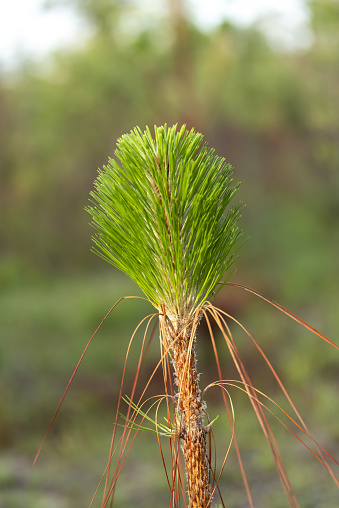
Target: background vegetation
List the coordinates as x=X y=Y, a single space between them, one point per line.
x=273 y=113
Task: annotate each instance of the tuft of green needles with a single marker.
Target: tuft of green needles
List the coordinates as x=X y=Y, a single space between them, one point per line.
x=162 y=214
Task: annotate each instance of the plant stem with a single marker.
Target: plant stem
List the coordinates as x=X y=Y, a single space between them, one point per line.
x=180 y=336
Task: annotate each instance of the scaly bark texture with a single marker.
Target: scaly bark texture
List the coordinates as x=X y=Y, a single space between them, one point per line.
x=181 y=340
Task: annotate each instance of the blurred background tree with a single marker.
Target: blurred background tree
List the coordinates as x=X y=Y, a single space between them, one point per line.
x=271 y=111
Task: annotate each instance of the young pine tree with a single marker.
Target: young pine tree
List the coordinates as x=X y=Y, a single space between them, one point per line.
x=164 y=215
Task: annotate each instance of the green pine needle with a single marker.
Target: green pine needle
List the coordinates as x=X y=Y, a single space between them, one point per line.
x=159 y=428
x=162 y=215
x=167 y=430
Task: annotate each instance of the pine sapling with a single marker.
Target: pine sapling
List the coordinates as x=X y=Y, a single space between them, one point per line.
x=164 y=214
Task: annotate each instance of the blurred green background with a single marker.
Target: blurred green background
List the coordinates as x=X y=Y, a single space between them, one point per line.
x=273 y=112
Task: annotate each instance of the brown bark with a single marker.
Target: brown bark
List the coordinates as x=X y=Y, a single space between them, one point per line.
x=181 y=340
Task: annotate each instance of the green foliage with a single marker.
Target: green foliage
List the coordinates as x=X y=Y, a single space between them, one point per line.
x=325 y=15
x=162 y=216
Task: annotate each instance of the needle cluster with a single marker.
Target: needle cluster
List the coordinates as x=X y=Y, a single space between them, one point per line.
x=162 y=214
